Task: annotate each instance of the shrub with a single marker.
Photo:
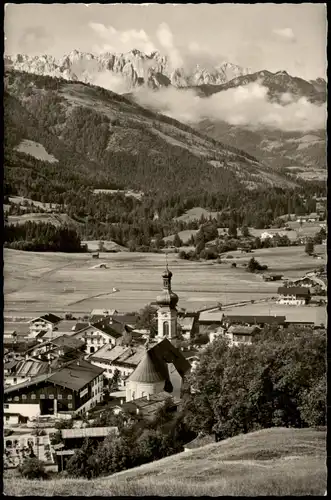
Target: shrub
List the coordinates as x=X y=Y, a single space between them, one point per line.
x=32 y=468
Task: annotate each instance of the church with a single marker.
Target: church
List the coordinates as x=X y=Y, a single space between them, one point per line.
x=163 y=367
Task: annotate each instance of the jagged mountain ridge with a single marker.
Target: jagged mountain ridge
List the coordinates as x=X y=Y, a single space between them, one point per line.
x=137 y=68
x=118 y=141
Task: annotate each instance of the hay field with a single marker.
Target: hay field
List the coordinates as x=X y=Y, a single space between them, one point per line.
x=277 y=461
x=40 y=282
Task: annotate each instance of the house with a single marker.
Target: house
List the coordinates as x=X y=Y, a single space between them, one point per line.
x=272 y=277
x=99 y=314
x=123 y=358
x=43 y=324
x=73 y=388
x=293 y=295
x=13 y=419
x=265 y=235
x=238 y=334
x=98 y=334
x=250 y=320
x=188 y=323
x=147 y=406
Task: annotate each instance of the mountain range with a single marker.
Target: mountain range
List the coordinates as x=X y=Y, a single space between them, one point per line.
x=135 y=67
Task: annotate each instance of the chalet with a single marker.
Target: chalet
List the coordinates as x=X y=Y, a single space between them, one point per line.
x=101 y=333
x=293 y=295
x=250 y=320
x=43 y=324
x=238 y=334
x=73 y=388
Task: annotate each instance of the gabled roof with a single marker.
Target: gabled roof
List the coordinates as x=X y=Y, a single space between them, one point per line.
x=300 y=291
x=253 y=319
x=76 y=375
x=49 y=318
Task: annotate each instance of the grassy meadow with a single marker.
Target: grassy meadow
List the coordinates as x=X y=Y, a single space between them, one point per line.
x=271 y=462
x=38 y=282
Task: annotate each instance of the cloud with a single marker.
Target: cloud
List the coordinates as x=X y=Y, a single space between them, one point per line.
x=165 y=38
x=285 y=33
x=35 y=39
x=246 y=106
x=121 y=41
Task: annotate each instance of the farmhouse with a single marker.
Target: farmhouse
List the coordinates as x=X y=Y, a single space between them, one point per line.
x=74 y=388
x=293 y=295
x=238 y=334
x=43 y=324
x=98 y=334
x=250 y=320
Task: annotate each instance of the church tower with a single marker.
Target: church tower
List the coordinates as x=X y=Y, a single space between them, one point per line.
x=167 y=313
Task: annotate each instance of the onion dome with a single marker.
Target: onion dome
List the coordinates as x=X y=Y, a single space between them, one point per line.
x=167 y=297
x=149 y=371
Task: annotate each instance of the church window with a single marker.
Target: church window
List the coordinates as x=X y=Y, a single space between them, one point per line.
x=165 y=329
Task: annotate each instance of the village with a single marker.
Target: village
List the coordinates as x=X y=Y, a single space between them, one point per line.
x=58 y=369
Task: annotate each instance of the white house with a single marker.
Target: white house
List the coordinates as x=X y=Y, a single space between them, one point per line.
x=43 y=324
x=293 y=295
x=99 y=334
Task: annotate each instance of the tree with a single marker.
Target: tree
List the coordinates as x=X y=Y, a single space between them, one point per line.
x=245 y=231
x=147 y=320
x=309 y=248
x=232 y=229
x=177 y=241
x=32 y=468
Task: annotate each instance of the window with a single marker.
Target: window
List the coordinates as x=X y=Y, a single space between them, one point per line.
x=59 y=396
x=42 y=396
x=33 y=396
x=165 y=329
x=70 y=405
x=24 y=396
x=69 y=396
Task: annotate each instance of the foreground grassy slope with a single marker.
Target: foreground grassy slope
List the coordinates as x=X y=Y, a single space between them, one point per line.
x=276 y=461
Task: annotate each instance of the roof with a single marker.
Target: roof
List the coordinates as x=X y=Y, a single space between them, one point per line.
x=28 y=383
x=150 y=370
x=75 y=376
x=103 y=312
x=87 y=432
x=148 y=407
x=186 y=323
x=200 y=441
x=242 y=330
x=119 y=354
x=114 y=329
x=50 y=318
x=293 y=290
x=255 y=319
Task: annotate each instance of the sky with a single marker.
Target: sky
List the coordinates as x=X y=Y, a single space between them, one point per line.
x=290 y=37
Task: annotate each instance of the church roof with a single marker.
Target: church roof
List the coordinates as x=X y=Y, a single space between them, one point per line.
x=150 y=370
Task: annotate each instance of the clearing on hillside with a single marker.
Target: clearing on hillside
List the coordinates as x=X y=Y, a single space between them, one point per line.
x=270 y=462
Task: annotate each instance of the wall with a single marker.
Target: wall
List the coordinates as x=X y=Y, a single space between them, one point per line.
x=27 y=410
x=142 y=389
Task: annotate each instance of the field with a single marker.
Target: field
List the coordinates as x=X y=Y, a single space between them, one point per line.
x=271 y=462
x=58 y=282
